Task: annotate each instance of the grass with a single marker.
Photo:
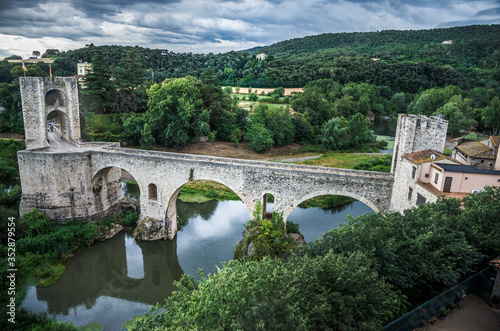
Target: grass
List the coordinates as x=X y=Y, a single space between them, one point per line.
x=338 y=160
x=205 y=190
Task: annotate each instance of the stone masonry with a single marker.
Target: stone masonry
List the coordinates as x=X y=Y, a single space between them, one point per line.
x=414 y=133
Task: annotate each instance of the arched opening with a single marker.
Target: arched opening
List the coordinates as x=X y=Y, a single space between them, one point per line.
x=152 y=192
x=117 y=193
x=319 y=213
x=57 y=126
x=113 y=186
x=207 y=214
x=267 y=205
x=55 y=98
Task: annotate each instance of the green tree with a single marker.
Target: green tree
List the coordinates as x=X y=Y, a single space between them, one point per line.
x=457 y=121
x=99 y=92
x=259 y=137
x=329 y=292
x=11 y=119
x=359 y=133
x=131 y=95
x=176 y=113
x=147 y=141
x=132 y=127
x=425 y=249
x=334 y=134
x=492 y=115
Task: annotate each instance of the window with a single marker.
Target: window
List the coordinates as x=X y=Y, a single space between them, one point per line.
x=152 y=192
x=420 y=200
x=410 y=193
x=413 y=171
x=436 y=179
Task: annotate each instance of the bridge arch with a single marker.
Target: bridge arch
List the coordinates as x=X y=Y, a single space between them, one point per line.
x=107 y=187
x=55 y=97
x=314 y=194
x=171 y=218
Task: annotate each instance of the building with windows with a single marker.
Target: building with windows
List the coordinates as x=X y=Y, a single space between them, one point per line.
x=422 y=173
x=428 y=175
x=82 y=68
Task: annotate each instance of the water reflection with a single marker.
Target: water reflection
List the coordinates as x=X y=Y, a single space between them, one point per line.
x=313 y=222
x=96 y=282
x=206 y=241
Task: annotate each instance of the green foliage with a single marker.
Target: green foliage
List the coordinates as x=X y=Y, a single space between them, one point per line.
x=259 y=137
x=99 y=92
x=334 y=134
x=175 y=112
x=44 y=236
x=481 y=216
x=10 y=98
x=103 y=127
x=131 y=219
x=300 y=293
x=10 y=198
x=382 y=163
x=26 y=320
x=132 y=127
x=7 y=171
x=147 y=141
x=492 y=115
x=425 y=249
x=453 y=111
x=252 y=97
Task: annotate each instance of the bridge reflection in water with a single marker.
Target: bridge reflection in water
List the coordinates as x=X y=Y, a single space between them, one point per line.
x=103 y=270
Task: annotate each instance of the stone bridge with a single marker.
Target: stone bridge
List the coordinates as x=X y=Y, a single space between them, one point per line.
x=67 y=179
x=84 y=182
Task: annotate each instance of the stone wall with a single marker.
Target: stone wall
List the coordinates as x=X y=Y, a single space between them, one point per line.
x=62 y=186
x=34 y=91
x=400 y=199
x=417 y=133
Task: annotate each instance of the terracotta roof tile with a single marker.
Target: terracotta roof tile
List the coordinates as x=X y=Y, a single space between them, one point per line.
x=476 y=149
x=425 y=156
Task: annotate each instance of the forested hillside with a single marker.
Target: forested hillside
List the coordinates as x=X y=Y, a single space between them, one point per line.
x=409 y=61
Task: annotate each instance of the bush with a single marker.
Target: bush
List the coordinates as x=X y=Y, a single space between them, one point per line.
x=259 y=137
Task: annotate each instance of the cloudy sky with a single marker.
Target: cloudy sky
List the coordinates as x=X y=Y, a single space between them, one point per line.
x=203 y=26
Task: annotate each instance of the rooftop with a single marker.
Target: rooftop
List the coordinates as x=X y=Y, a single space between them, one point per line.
x=466 y=169
x=476 y=149
x=425 y=156
x=495 y=140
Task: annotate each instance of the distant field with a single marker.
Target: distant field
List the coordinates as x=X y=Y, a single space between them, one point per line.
x=258 y=91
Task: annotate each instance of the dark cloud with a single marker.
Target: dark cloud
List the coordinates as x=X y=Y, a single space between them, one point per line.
x=220 y=25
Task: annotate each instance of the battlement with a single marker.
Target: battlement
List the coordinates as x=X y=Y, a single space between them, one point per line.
x=417 y=133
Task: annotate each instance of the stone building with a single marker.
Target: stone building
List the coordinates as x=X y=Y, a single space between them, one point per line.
x=428 y=175
x=476 y=154
x=422 y=173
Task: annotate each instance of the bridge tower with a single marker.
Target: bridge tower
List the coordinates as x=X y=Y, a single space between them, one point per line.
x=417 y=133
x=56 y=97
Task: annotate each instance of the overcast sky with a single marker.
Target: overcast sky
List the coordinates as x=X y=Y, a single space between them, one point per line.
x=203 y=26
